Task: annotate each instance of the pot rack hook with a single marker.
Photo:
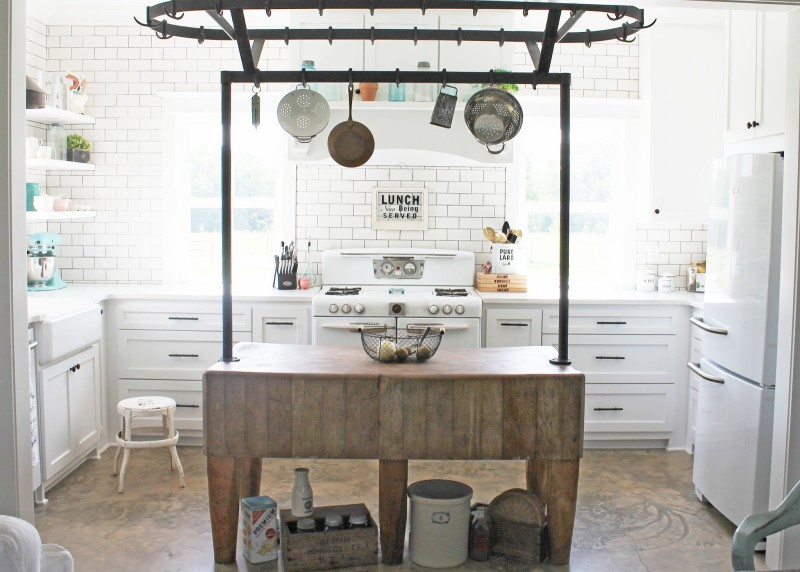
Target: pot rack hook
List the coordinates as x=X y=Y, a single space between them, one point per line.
x=588 y=40
x=201 y=35
x=350 y=78
x=371 y=7
x=640 y=26
x=444 y=76
x=424 y=6
x=321 y=7
x=619 y=14
x=330 y=35
x=303 y=76
x=268 y=8
x=491 y=77
x=218 y=7
x=162 y=34
x=286 y=35
x=372 y=35
x=458 y=41
x=475 y=8
x=174 y=14
x=624 y=37
x=502 y=37
x=152 y=24
x=416 y=38
x=525 y=12
x=397 y=77
x=256 y=81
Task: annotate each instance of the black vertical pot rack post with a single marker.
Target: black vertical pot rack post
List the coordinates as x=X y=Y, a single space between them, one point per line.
x=626 y=21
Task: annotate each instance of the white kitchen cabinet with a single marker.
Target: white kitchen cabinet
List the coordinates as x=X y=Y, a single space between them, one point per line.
x=641 y=409
x=682 y=79
x=756 y=78
x=695 y=355
x=513 y=327
x=282 y=323
x=181 y=315
x=71 y=410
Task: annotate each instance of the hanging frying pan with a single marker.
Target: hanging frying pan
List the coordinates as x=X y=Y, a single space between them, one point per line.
x=350 y=143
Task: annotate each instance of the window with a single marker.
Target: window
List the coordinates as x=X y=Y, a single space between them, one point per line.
x=260 y=196
x=602 y=165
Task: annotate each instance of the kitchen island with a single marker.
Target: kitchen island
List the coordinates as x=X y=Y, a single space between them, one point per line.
x=281 y=401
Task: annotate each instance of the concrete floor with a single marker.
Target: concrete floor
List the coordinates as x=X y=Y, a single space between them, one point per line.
x=637 y=511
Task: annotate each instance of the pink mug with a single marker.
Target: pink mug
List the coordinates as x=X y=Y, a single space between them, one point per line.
x=304 y=282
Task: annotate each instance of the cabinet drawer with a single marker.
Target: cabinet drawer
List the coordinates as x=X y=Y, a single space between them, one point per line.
x=612 y=320
x=145 y=354
x=628 y=408
x=621 y=359
x=188 y=396
x=513 y=327
x=178 y=315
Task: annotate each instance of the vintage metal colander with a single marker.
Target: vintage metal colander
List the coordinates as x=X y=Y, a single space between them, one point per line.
x=493 y=116
x=303 y=113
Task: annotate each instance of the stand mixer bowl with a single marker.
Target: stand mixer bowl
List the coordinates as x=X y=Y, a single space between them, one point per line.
x=41 y=269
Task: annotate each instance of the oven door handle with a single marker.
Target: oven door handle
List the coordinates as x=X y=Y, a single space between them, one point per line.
x=449 y=327
x=355 y=328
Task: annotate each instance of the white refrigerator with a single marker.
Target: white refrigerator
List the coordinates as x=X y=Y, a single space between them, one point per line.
x=736 y=395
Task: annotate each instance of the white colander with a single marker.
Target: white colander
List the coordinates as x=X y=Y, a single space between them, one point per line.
x=303 y=113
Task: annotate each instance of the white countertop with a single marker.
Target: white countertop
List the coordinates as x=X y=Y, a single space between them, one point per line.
x=679 y=297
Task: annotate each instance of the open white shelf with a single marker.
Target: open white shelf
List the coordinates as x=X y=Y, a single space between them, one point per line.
x=58 y=215
x=57 y=165
x=50 y=115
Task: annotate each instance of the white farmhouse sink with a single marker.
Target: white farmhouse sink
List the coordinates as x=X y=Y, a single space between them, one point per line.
x=68 y=333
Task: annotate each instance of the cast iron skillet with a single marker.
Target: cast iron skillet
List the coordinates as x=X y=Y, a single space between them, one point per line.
x=350 y=143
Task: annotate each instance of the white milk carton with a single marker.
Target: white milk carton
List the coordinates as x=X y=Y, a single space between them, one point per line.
x=259 y=529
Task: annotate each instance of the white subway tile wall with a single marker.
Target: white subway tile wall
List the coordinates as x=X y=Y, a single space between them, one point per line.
x=670 y=248
x=126 y=67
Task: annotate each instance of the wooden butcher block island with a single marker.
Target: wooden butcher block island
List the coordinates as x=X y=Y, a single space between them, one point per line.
x=336 y=403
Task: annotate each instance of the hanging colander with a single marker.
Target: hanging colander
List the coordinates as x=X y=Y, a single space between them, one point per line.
x=303 y=113
x=493 y=116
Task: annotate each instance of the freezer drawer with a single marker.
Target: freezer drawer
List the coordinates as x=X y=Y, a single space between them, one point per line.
x=733 y=442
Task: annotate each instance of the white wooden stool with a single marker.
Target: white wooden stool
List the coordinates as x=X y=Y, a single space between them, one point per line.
x=148 y=406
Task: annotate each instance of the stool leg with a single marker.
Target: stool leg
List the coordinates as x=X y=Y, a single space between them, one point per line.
x=173 y=450
x=119 y=448
x=167 y=435
x=126 y=453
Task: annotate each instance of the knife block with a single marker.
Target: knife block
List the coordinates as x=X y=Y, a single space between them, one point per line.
x=285 y=280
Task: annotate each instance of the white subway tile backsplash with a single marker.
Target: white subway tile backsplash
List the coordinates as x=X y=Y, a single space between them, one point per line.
x=673 y=254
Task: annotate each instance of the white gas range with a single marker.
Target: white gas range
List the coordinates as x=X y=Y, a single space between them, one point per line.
x=397 y=288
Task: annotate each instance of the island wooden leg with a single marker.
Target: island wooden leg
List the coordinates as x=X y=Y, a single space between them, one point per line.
x=248 y=471
x=556 y=483
x=223 y=504
x=392 y=483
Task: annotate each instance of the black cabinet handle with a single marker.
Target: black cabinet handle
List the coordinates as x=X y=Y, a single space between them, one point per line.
x=751 y=124
x=279 y=323
x=184 y=355
x=72 y=369
x=609 y=357
x=77 y=366
x=189 y=318
x=605 y=323
x=608 y=408
x=523 y=325
x=191 y=406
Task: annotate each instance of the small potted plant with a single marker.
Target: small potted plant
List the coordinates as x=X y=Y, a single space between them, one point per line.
x=512 y=87
x=78 y=148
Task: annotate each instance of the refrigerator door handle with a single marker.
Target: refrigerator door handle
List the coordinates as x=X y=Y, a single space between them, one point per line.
x=700 y=323
x=695 y=368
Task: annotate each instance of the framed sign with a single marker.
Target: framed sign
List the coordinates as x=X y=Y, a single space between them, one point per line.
x=400 y=208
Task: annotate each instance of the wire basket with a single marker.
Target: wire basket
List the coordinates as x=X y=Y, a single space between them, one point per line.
x=395 y=344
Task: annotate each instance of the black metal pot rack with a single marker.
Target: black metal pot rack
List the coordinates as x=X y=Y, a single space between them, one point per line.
x=625 y=21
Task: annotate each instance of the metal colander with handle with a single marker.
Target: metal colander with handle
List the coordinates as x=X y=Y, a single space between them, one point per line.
x=493 y=116
x=303 y=113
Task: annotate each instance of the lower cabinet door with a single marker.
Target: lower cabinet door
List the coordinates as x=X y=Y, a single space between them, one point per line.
x=188 y=396
x=56 y=437
x=629 y=408
x=84 y=401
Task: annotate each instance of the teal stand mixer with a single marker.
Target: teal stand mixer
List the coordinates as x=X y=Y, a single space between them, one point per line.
x=43 y=272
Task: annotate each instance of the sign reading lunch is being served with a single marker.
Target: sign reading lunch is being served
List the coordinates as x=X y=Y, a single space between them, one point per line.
x=400 y=208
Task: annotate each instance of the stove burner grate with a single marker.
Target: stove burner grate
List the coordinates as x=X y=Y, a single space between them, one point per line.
x=346 y=291
x=450 y=292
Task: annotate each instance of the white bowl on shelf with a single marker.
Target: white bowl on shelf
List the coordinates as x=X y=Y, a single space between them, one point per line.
x=43 y=203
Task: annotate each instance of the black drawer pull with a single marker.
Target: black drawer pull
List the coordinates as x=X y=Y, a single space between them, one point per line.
x=602 y=323
x=279 y=323
x=608 y=408
x=184 y=355
x=190 y=318
x=513 y=324
x=192 y=406
x=609 y=357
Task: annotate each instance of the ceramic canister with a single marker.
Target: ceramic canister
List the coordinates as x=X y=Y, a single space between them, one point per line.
x=31 y=190
x=666 y=282
x=646 y=281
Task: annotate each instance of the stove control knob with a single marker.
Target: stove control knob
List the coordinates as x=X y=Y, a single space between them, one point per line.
x=359 y=308
x=333 y=308
x=447 y=308
x=346 y=308
x=433 y=309
x=459 y=309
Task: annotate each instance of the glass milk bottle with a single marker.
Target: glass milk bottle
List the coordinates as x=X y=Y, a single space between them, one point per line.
x=423 y=91
x=302 y=495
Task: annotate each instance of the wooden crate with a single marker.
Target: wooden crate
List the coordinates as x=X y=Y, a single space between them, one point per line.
x=501 y=282
x=324 y=550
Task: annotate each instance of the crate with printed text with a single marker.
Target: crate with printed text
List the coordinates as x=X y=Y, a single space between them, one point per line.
x=501 y=282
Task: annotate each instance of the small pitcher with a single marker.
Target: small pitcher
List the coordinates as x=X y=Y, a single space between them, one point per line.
x=445 y=107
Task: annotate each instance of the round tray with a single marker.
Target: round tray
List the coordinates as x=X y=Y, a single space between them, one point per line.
x=395 y=344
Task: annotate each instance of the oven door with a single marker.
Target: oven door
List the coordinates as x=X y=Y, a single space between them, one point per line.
x=458 y=332
x=342 y=330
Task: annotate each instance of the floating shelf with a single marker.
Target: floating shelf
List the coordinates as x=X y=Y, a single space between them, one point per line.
x=50 y=115
x=58 y=215
x=56 y=165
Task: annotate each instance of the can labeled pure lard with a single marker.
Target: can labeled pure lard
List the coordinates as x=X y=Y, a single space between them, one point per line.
x=259 y=529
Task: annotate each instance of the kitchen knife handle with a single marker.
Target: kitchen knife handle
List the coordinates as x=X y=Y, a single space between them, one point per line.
x=523 y=325
x=608 y=408
x=190 y=318
x=605 y=323
x=700 y=323
x=609 y=357
x=695 y=368
x=184 y=355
